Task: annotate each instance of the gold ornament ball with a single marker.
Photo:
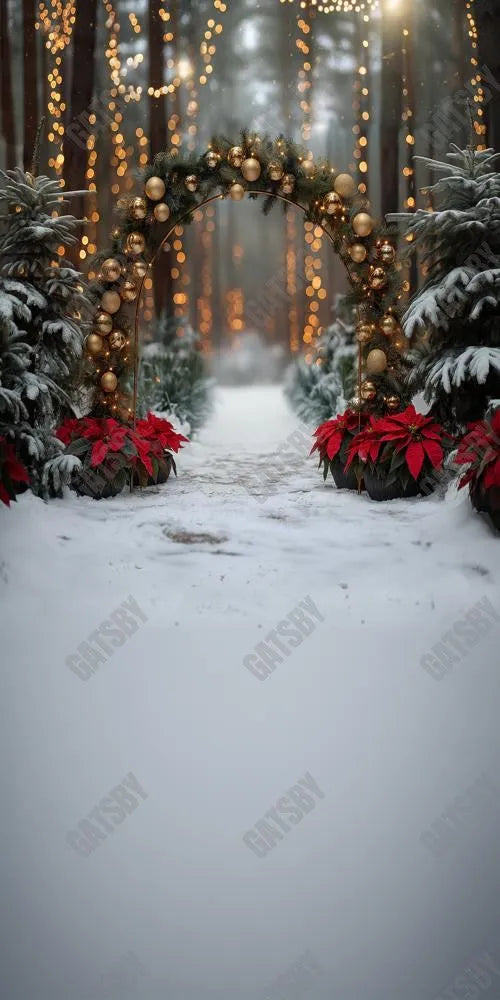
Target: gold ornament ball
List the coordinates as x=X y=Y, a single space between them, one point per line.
x=117 y=340
x=387 y=253
x=235 y=157
x=94 y=344
x=275 y=170
x=332 y=203
x=376 y=361
x=389 y=325
x=111 y=269
x=356 y=403
x=111 y=302
x=237 y=192
x=103 y=323
x=368 y=391
x=251 y=168
x=109 y=381
x=345 y=186
x=128 y=291
x=212 y=159
x=155 y=188
x=364 y=333
x=138 y=208
x=378 y=278
x=392 y=402
x=309 y=168
x=191 y=182
x=139 y=269
x=288 y=184
x=161 y=212
x=136 y=243
x=362 y=224
x=358 y=253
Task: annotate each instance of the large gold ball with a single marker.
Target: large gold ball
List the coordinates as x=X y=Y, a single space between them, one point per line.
x=368 y=391
x=362 y=224
x=155 y=188
x=288 y=184
x=135 y=244
x=117 y=340
x=364 y=333
x=345 y=186
x=387 y=253
x=376 y=361
x=212 y=159
x=389 y=325
x=378 y=278
x=94 y=344
x=138 y=209
x=103 y=323
x=235 y=157
x=309 y=168
x=109 y=381
x=237 y=192
x=358 y=253
x=392 y=402
x=128 y=291
x=275 y=170
x=191 y=182
x=161 y=212
x=111 y=302
x=139 y=269
x=332 y=203
x=251 y=168
x=111 y=269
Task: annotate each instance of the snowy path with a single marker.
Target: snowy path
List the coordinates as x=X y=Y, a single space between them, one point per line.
x=215 y=560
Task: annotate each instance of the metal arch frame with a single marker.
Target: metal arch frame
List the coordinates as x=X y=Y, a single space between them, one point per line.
x=216 y=197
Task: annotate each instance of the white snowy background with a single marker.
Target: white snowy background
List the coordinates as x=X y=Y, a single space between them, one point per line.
x=214 y=748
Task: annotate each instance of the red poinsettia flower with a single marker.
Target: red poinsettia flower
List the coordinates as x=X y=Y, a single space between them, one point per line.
x=161 y=430
x=71 y=428
x=366 y=445
x=12 y=472
x=331 y=435
x=418 y=436
x=480 y=450
x=107 y=435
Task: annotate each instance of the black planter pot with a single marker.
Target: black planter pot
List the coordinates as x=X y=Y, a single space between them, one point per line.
x=487 y=502
x=161 y=477
x=86 y=487
x=378 y=489
x=343 y=480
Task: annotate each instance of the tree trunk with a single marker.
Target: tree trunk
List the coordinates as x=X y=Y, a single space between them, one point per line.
x=488 y=25
x=8 y=120
x=390 y=119
x=82 y=92
x=30 y=82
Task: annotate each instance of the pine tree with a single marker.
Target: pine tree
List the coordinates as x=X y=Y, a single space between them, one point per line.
x=320 y=389
x=42 y=310
x=173 y=379
x=458 y=308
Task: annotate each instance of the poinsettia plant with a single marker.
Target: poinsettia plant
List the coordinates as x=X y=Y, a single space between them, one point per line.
x=479 y=449
x=403 y=448
x=13 y=475
x=111 y=452
x=334 y=437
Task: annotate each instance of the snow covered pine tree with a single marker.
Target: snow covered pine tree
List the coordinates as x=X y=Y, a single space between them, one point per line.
x=173 y=379
x=319 y=390
x=42 y=306
x=458 y=308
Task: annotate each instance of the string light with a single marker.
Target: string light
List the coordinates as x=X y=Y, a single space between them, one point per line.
x=478 y=101
x=291 y=280
x=207 y=44
x=408 y=121
x=338 y=6
x=56 y=20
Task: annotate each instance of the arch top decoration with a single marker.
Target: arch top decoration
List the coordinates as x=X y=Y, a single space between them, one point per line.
x=258 y=168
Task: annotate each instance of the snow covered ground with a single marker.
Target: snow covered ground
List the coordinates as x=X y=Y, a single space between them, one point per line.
x=138 y=765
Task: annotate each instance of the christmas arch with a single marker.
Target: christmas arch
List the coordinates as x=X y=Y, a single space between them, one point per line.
x=258 y=168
